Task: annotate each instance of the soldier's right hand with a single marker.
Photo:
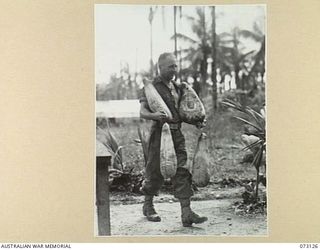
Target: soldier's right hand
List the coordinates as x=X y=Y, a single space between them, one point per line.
x=161 y=116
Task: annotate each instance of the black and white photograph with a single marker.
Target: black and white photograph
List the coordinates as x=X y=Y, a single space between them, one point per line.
x=180 y=119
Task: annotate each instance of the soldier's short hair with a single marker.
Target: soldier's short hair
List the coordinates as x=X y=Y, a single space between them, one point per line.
x=164 y=56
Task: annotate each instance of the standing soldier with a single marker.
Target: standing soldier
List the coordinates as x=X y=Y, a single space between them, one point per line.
x=182 y=181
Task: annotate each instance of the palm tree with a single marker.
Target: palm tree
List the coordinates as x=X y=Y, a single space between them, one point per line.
x=200 y=49
x=258 y=36
x=232 y=56
x=230 y=52
x=150 y=18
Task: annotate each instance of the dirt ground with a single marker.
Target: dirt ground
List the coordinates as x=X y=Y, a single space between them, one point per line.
x=218 y=206
x=216 y=201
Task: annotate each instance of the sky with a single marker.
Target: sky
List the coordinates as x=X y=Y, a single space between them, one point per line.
x=122 y=33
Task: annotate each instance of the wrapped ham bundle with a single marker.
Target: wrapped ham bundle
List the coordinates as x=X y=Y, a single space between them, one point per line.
x=168 y=159
x=154 y=99
x=200 y=173
x=191 y=109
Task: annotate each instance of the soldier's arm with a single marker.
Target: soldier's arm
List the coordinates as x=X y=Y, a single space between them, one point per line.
x=145 y=111
x=147 y=114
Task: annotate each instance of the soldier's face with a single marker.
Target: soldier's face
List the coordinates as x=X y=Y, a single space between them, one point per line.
x=168 y=67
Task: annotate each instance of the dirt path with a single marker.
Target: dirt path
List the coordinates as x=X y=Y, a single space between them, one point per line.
x=222 y=220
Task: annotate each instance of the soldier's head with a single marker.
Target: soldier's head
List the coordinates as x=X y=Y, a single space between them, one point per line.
x=167 y=64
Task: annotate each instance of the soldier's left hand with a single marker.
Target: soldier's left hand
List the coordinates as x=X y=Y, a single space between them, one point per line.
x=201 y=125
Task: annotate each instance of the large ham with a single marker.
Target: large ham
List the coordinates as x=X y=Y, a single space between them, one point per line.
x=144 y=132
x=191 y=109
x=154 y=99
x=168 y=159
x=200 y=165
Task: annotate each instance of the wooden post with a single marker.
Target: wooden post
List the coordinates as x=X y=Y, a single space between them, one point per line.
x=103 y=161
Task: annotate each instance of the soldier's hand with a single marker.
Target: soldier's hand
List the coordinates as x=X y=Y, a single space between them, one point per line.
x=161 y=116
x=201 y=125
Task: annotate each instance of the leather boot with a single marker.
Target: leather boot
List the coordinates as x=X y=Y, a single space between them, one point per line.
x=148 y=209
x=188 y=216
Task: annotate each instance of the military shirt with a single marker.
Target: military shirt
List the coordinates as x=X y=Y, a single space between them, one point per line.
x=170 y=95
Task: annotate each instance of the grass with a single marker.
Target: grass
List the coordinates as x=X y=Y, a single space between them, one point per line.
x=224 y=145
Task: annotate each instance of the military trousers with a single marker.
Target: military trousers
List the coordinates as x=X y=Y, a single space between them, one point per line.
x=182 y=181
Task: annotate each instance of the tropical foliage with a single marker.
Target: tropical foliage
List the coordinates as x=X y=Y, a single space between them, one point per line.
x=226 y=52
x=198 y=52
x=256 y=129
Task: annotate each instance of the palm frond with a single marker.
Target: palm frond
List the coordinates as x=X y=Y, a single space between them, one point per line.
x=226 y=62
x=189 y=18
x=232 y=104
x=258 y=158
x=184 y=38
x=118 y=153
x=257 y=145
x=225 y=49
x=224 y=35
x=257 y=29
x=242 y=57
x=197 y=56
x=198 y=30
x=249 y=123
x=191 y=51
x=253 y=145
x=256 y=116
x=110 y=142
x=250 y=34
x=188 y=50
x=251 y=113
x=200 y=13
x=254 y=113
x=227 y=43
x=259 y=57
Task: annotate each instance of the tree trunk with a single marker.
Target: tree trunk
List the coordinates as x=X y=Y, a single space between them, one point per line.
x=259 y=65
x=180 y=65
x=203 y=70
x=196 y=84
x=151 y=13
x=214 y=62
x=240 y=86
x=236 y=56
x=175 y=29
x=204 y=64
